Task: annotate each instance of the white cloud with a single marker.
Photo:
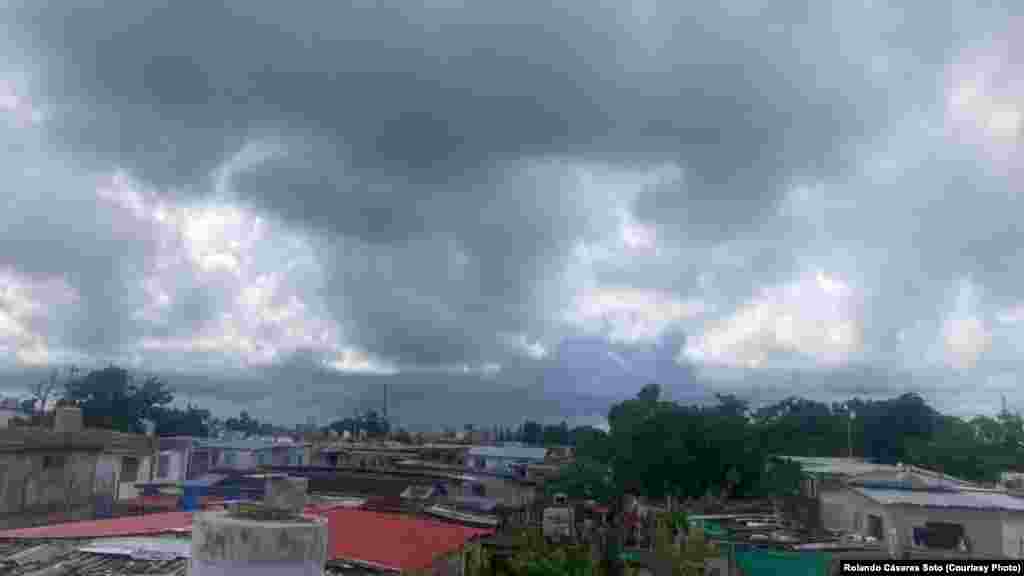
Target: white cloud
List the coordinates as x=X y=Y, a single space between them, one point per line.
x=17 y=107
x=815 y=316
x=966 y=336
x=984 y=96
x=353 y=360
x=26 y=307
x=523 y=344
x=1011 y=316
x=631 y=314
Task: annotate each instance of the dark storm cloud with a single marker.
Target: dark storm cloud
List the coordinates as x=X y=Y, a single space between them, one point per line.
x=413 y=133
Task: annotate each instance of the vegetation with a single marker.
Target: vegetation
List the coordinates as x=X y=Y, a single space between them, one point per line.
x=660 y=448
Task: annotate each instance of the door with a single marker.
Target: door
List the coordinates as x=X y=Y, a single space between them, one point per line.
x=105 y=488
x=875 y=528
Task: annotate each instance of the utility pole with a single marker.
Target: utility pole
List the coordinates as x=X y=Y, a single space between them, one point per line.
x=849 y=432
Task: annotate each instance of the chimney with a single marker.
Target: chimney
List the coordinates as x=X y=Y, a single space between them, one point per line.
x=67 y=419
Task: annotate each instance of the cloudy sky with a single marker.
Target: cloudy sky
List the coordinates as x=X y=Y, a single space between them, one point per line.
x=507 y=209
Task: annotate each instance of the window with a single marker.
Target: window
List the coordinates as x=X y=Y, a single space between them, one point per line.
x=875 y=527
x=943 y=536
x=53 y=461
x=129 y=469
x=164 y=466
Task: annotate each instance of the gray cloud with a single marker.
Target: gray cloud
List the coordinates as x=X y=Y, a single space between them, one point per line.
x=432 y=152
x=417 y=129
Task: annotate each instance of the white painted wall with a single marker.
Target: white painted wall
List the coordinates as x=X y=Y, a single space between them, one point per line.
x=126 y=488
x=6 y=415
x=176 y=462
x=984 y=528
x=839 y=509
x=990 y=531
x=1013 y=534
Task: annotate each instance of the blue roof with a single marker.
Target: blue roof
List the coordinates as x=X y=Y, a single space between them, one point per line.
x=480 y=503
x=205 y=481
x=944 y=498
x=249 y=445
x=509 y=452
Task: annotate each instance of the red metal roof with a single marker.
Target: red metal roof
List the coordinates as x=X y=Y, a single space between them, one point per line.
x=392 y=540
x=126 y=526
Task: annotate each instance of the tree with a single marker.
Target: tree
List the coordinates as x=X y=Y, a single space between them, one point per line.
x=650 y=393
x=111 y=398
x=532 y=433
x=42 y=390
x=556 y=435
x=375 y=425
x=584 y=479
x=192 y=421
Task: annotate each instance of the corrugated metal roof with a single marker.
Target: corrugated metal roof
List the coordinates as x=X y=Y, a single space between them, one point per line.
x=394 y=541
x=166 y=522
x=244 y=445
x=943 y=499
x=510 y=452
x=840 y=466
x=64 y=558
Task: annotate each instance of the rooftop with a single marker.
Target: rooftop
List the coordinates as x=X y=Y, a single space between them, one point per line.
x=23 y=439
x=392 y=541
x=511 y=452
x=154 y=544
x=943 y=498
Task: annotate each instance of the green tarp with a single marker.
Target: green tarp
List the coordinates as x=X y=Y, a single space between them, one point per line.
x=772 y=562
x=711 y=529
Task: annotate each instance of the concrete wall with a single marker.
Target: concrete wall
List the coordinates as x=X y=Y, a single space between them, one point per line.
x=984 y=528
x=840 y=509
x=990 y=532
x=236 y=459
x=6 y=415
x=508 y=491
x=176 y=462
x=39 y=487
x=1013 y=534
x=126 y=487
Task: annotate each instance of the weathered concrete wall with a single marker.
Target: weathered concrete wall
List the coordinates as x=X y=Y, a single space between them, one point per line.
x=286 y=493
x=1013 y=534
x=841 y=508
x=38 y=486
x=222 y=545
x=126 y=489
x=984 y=528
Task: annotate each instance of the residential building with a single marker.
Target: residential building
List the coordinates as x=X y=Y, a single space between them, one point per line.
x=184 y=458
x=1012 y=480
x=915 y=514
x=911 y=509
x=69 y=472
x=505 y=459
x=10 y=408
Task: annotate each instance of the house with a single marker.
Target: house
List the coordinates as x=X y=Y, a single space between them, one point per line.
x=1012 y=480
x=175 y=459
x=909 y=513
x=67 y=472
x=184 y=458
x=913 y=509
x=10 y=408
x=510 y=460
